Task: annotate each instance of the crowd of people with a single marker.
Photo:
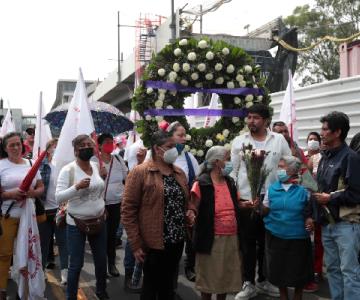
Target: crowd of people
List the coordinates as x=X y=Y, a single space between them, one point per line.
x=167 y=203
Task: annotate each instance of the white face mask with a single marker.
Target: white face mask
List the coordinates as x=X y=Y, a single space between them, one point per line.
x=313 y=145
x=171 y=155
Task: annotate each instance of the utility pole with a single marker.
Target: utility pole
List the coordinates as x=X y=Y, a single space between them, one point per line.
x=201 y=20
x=172 y=24
x=118 y=56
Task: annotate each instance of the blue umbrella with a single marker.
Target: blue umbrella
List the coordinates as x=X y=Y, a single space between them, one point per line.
x=107 y=118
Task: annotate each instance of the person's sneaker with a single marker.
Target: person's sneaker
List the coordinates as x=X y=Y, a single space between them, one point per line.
x=311 y=287
x=64 y=274
x=248 y=291
x=102 y=296
x=190 y=274
x=265 y=287
x=113 y=271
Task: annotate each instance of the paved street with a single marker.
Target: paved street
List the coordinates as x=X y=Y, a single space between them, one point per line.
x=186 y=289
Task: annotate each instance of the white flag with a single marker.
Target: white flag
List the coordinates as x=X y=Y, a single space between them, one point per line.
x=191 y=102
x=288 y=110
x=8 y=124
x=210 y=121
x=78 y=121
x=42 y=130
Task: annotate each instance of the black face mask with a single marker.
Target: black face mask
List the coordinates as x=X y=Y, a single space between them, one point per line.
x=86 y=153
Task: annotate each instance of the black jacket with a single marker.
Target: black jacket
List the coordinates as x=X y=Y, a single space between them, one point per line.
x=204 y=228
x=336 y=165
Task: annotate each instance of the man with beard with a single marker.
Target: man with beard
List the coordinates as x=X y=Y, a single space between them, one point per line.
x=260 y=137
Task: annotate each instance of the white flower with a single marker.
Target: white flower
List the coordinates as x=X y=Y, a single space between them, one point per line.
x=209 y=143
x=200 y=153
x=260 y=98
x=202 y=44
x=209 y=55
x=172 y=76
x=201 y=67
x=188 y=137
x=237 y=100
x=239 y=78
x=169 y=107
x=226 y=133
x=193 y=151
x=194 y=76
x=230 y=85
x=255 y=86
x=249 y=98
x=227 y=146
x=183 y=42
x=209 y=76
x=199 y=85
x=177 y=52
x=242 y=83
x=161 y=97
x=149 y=90
x=225 y=51
x=230 y=69
x=219 y=80
x=187 y=148
x=248 y=69
x=161 y=91
x=176 y=67
x=148 y=118
x=186 y=67
x=159 y=104
x=161 y=72
x=173 y=93
x=249 y=104
x=184 y=82
x=191 y=56
x=235 y=120
x=218 y=67
x=159 y=118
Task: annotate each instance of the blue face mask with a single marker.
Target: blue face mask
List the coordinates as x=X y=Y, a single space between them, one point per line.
x=227 y=169
x=282 y=175
x=180 y=148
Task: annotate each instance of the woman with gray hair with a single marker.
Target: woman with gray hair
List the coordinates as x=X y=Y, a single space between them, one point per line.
x=217 y=228
x=288 y=223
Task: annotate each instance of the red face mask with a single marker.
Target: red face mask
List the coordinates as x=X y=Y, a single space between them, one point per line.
x=108 y=148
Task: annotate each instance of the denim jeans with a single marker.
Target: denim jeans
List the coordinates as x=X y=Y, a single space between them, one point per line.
x=76 y=246
x=129 y=259
x=47 y=231
x=341 y=243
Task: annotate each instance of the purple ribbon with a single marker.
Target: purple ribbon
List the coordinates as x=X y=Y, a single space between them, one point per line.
x=180 y=88
x=241 y=113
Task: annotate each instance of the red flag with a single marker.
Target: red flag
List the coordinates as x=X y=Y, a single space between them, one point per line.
x=25 y=185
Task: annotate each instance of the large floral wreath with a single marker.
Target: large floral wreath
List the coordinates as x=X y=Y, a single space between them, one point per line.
x=203 y=64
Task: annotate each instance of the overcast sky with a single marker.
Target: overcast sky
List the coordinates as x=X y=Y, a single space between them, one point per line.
x=42 y=41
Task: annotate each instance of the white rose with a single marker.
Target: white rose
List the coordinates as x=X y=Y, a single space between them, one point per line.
x=248 y=69
x=148 y=118
x=202 y=44
x=186 y=67
x=226 y=133
x=177 y=52
x=235 y=120
x=209 y=143
x=209 y=76
x=187 y=148
x=183 y=42
x=201 y=67
x=225 y=51
x=161 y=97
x=199 y=85
x=230 y=69
x=200 y=153
x=255 y=86
x=173 y=93
x=193 y=151
x=260 y=98
x=159 y=104
x=149 y=90
x=219 y=80
x=188 y=137
x=249 y=104
x=209 y=55
x=194 y=76
x=237 y=100
x=184 y=82
x=172 y=75
x=227 y=147
x=230 y=85
x=218 y=67
x=169 y=107
x=176 y=67
x=161 y=91
x=159 y=118
x=242 y=83
x=161 y=72
x=191 y=56
x=249 y=98
x=239 y=77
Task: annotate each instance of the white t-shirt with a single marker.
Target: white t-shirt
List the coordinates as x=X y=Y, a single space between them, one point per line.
x=11 y=177
x=130 y=154
x=50 y=202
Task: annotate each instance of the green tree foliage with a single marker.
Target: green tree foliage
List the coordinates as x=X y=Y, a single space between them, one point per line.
x=339 y=18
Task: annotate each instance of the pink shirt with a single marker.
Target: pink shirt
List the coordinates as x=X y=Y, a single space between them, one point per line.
x=225 y=219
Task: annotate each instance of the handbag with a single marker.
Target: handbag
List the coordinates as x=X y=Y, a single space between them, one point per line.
x=90 y=226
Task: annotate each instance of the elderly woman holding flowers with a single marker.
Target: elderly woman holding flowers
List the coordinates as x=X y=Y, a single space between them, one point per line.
x=287 y=223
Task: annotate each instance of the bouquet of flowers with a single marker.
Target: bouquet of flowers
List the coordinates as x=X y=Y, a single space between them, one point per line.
x=256 y=170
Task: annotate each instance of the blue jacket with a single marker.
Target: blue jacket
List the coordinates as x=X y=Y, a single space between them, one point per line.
x=286 y=218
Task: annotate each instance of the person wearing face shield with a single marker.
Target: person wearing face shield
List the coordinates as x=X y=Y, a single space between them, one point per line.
x=153 y=211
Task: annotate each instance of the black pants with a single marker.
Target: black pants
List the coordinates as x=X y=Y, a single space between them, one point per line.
x=190 y=255
x=112 y=222
x=253 y=248
x=159 y=270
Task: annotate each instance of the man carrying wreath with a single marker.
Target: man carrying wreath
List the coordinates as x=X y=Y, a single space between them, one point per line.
x=261 y=138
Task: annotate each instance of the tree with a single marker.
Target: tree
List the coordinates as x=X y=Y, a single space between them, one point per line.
x=339 y=18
